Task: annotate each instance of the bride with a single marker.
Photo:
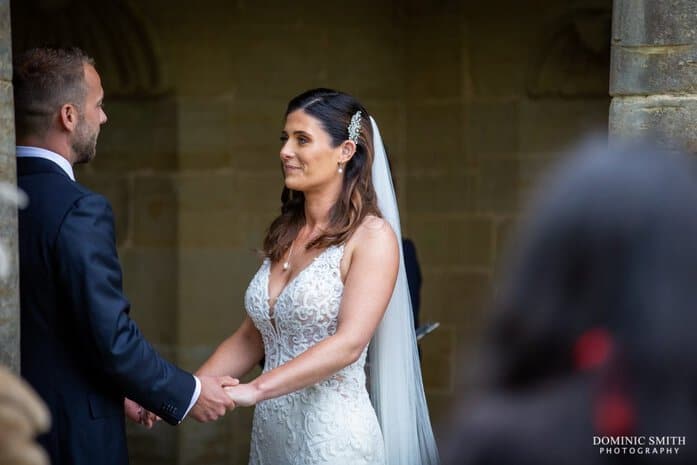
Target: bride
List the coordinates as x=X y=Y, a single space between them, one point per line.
x=332 y=280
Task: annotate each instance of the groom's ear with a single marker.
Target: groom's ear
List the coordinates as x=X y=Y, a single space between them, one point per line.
x=348 y=149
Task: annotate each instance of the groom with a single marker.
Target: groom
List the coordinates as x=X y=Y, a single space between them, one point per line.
x=79 y=348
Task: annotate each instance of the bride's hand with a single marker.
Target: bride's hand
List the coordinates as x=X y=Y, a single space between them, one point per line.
x=133 y=411
x=244 y=395
x=138 y=414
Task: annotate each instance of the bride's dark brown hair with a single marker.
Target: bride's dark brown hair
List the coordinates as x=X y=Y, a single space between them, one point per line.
x=357 y=198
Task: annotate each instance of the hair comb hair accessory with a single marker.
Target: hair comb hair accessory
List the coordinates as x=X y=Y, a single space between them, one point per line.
x=354 y=127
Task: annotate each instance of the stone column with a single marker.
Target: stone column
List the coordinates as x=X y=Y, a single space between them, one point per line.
x=653 y=74
x=9 y=285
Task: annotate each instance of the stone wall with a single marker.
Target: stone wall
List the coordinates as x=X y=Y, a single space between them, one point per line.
x=653 y=79
x=495 y=94
x=473 y=99
x=9 y=286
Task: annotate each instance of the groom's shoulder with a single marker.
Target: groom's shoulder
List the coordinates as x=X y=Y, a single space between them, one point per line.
x=55 y=201
x=87 y=198
x=75 y=197
x=75 y=193
x=82 y=191
x=52 y=193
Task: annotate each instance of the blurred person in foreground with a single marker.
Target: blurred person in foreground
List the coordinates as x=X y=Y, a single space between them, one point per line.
x=592 y=331
x=22 y=416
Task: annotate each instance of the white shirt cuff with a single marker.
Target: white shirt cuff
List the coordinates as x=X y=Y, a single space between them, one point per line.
x=194 y=398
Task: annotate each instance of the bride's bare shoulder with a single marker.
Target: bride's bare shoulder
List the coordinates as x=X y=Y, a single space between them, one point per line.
x=374 y=241
x=373 y=222
x=374 y=232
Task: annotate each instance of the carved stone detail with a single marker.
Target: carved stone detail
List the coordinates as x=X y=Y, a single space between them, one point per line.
x=574 y=56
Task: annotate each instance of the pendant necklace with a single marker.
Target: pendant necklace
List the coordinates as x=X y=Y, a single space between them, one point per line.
x=286 y=264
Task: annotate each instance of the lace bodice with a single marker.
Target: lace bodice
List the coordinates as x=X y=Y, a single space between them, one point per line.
x=329 y=422
x=304 y=313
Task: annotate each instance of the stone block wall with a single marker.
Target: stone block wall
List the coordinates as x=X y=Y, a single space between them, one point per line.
x=652 y=78
x=474 y=100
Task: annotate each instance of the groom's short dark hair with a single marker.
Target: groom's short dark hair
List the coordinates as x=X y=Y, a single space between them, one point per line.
x=44 y=79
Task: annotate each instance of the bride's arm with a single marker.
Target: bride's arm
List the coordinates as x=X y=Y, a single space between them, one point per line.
x=237 y=354
x=369 y=284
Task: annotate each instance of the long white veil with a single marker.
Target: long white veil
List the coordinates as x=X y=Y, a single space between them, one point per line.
x=396 y=388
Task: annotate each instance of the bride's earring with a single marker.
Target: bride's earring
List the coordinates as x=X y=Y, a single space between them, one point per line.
x=341 y=167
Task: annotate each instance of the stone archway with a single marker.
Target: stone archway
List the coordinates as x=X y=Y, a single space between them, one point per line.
x=110 y=31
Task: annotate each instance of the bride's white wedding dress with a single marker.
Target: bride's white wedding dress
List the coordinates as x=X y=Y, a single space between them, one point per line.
x=332 y=422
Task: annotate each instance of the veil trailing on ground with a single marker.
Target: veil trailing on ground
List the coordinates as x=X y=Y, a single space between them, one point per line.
x=396 y=388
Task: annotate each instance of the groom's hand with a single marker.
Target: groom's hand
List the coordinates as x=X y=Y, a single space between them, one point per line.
x=213 y=402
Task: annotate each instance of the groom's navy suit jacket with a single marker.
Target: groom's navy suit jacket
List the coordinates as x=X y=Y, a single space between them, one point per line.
x=79 y=348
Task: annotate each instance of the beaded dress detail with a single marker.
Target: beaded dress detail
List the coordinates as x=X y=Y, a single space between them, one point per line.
x=333 y=421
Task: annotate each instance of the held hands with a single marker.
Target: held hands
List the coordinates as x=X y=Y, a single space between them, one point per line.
x=213 y=402
x=244 y=395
